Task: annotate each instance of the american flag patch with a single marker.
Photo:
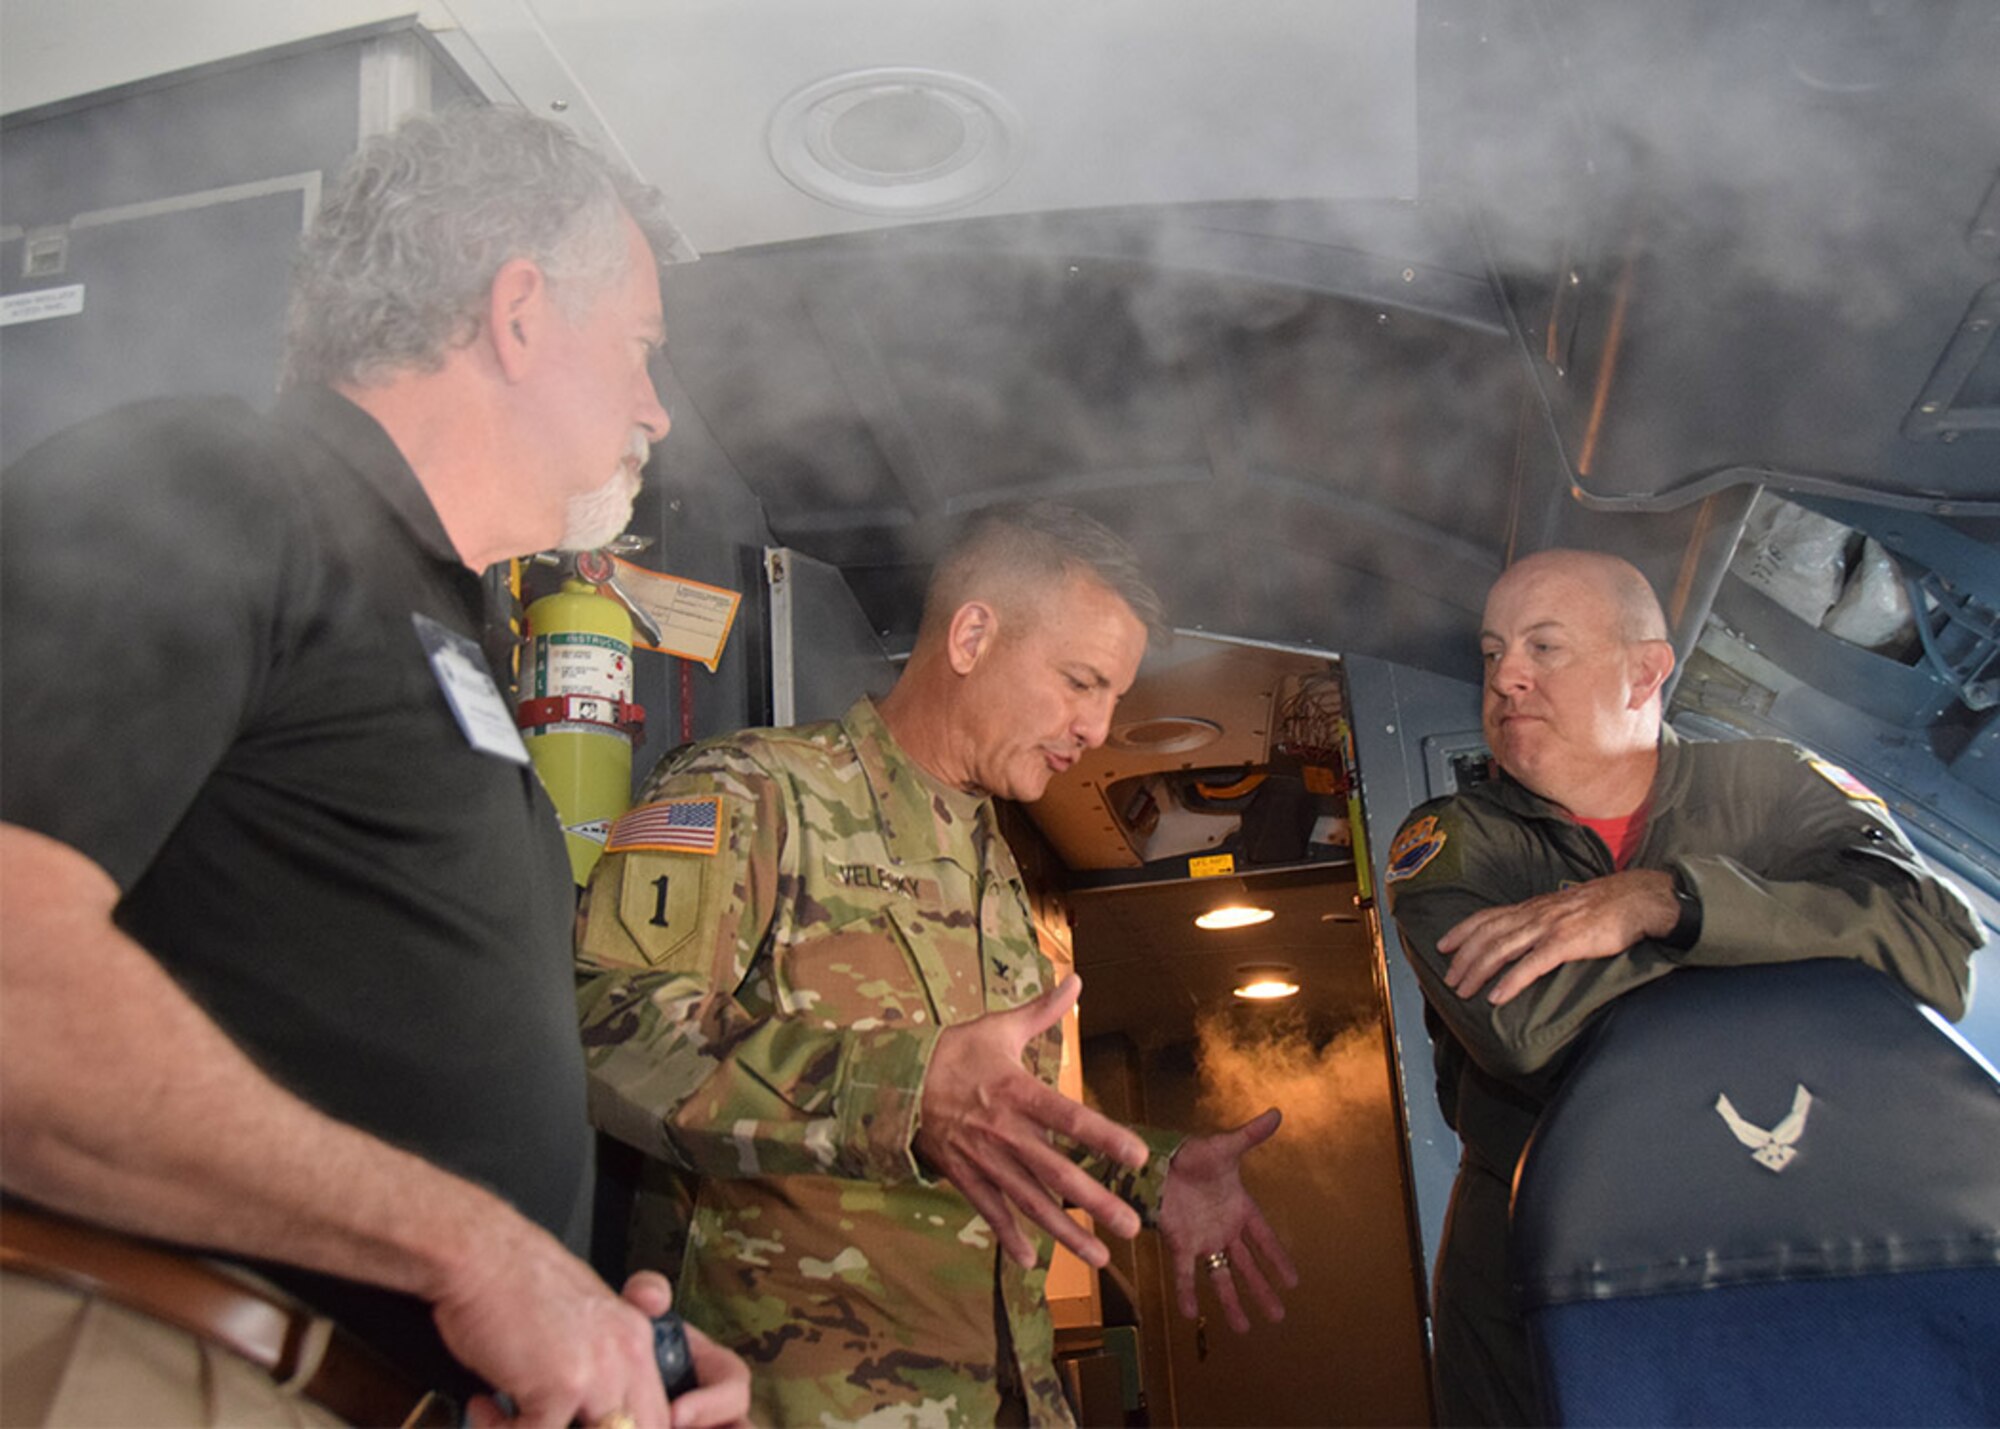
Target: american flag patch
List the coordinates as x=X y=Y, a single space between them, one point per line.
x=678 y=825
x=1847 y=784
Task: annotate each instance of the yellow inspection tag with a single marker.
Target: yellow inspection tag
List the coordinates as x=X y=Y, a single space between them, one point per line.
x=1213 y=866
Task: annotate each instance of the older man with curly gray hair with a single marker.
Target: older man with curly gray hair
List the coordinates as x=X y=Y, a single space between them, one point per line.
x=282 y=874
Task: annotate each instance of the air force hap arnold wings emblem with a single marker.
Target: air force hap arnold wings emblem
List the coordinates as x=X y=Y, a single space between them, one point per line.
x=1773 y=1149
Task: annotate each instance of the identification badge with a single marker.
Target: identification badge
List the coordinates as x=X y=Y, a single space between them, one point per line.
x=469 y=689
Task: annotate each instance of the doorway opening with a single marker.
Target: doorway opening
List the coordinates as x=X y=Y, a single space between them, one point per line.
x=1166 y=1041
x=1228 y=780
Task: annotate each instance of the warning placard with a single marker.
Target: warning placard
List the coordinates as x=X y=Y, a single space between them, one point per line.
x=41 y=305
x=694 y=619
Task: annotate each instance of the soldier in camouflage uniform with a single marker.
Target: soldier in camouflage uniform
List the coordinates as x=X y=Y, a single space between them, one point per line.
x=1609 y=853
x=812 y=982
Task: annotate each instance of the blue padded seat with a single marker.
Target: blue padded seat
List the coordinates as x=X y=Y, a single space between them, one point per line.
x=1766 y=1195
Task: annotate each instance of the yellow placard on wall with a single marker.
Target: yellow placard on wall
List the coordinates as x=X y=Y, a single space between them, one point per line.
x=1212 y=866
x=694 y=618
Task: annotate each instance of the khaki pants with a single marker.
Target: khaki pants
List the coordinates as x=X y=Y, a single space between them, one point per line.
x=70 y=1358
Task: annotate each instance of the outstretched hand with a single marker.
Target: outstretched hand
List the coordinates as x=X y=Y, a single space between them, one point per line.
x=1520 y=942
x=1205 y=1210
x=985 y=1126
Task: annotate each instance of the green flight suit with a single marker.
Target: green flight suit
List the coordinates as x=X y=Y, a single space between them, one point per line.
x=761 y=1015
x=1791 y=859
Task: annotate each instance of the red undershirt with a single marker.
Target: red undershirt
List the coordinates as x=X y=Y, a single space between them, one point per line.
x=1621 y=835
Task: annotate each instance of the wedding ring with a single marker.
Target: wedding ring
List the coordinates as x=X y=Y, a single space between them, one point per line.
x=618 y=1420
x=1216 y=1260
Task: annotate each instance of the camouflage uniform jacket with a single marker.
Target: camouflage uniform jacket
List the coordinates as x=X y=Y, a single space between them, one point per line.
x=773 y=941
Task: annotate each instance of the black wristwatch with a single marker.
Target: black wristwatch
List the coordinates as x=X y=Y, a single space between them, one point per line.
x=1687 y=928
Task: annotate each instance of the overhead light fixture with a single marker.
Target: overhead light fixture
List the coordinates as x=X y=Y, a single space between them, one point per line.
x=1164 y=734
x=899 y=142
x=1234 y=915
x=1266 y=982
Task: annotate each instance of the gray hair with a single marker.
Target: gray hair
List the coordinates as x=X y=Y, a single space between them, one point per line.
x=1017 y=552
x=395 y=270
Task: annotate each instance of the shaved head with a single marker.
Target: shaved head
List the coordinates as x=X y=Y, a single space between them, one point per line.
x=1628 y=601
x=1576 y=655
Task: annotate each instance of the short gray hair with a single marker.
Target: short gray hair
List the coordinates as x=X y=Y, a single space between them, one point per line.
x=1030 y=548
x=395 y=270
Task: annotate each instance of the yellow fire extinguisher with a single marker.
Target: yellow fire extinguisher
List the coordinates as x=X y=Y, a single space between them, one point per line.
x=576 y=712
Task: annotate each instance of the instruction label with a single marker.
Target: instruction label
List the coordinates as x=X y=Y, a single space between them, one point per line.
x=41 y=305
x=694 y=619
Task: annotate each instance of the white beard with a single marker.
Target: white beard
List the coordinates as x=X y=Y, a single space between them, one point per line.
x=597 y=518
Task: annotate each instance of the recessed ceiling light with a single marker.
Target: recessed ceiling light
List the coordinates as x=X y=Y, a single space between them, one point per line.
x=1164 y=734
x=1267 y=982
x=1234 y=915
x=904 y=142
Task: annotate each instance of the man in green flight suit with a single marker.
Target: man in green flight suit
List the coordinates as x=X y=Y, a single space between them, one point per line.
x=1607 y=854
x=811 y=981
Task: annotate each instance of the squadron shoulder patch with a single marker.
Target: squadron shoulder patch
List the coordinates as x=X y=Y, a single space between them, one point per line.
x=1416 y=845
x=1847 y=784
x=671 y=825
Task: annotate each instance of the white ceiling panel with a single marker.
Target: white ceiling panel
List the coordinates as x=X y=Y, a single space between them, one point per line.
x=1102 y=104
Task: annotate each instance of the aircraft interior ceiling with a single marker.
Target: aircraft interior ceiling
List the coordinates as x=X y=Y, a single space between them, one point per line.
x=1650 y=259
x=1643 y=256
x=1333 y=305
x=1641 y=265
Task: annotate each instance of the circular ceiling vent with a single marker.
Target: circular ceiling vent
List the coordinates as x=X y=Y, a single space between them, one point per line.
x=896 y=141
x=1164 y=734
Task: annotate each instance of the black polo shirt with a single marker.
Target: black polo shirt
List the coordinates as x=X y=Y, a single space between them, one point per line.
x=211 y=683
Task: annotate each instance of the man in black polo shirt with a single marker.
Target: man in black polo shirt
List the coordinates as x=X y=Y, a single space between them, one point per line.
x=286 y=912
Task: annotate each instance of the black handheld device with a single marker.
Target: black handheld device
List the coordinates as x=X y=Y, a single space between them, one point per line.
x=670 y=1349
